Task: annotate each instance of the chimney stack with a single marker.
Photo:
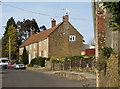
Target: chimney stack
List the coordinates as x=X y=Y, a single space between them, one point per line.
x=32 y=32
x=53 y=22
x=65 y=18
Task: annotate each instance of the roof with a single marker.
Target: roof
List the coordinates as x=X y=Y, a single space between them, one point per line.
x=40 y=36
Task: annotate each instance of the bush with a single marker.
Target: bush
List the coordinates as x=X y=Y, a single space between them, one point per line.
x=32 y=63
x=25 y=56
x=38 y=61
x=42 y=62
x=106 y=52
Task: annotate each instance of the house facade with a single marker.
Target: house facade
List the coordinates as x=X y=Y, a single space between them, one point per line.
x=61 y=40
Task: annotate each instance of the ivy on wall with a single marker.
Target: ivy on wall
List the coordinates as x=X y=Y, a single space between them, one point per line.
x=114 y=8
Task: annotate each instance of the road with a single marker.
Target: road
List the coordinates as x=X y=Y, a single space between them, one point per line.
x=26 y=78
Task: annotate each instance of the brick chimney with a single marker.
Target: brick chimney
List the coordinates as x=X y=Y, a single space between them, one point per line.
x=53 y=22
x=65 y=18
x=32 y=32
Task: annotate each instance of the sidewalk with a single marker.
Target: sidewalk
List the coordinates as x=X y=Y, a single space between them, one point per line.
x=68 y=74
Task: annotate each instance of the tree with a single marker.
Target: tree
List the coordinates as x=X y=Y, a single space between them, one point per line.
x=10 y=40
x=114 y=8
x=10 y=22
x=25 y=56
x=24 y=27
x=10 y=36
x=43 y=28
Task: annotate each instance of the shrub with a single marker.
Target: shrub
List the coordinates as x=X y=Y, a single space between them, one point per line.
x=38 y=61
x=42 y=62
x=106 y=52
x=32 y=63
x=25 y=56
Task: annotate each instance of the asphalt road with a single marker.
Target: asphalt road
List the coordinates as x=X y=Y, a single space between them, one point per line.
x=26 y=78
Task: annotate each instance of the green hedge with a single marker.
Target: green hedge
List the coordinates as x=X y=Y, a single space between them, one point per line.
x=38 y=61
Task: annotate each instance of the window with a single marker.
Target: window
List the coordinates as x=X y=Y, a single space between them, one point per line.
x=72 y=38
x=39 y=43
x=30 y=46
x=45 y=41
x=45 y=53
x=40 y=54
x=26 y=47
x=34 y=45
x=35 y=54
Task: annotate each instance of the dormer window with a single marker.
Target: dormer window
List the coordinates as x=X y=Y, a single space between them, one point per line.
x=72 y=38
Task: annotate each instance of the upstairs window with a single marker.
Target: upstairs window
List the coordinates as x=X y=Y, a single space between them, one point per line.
x=72 y=38
x=35 y=54
x=45 y=53
x=34 y=45
x=30 y=46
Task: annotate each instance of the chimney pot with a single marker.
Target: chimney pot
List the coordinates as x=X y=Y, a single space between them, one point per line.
x=53 y=22
x=65 y=18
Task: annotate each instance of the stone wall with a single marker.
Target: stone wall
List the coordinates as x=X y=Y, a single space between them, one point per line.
x=74 y=65
x=108 y=76
x=59 y=44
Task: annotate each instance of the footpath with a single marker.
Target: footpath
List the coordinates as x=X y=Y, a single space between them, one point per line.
x=67 y=74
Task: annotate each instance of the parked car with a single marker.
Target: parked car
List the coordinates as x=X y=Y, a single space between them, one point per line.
x=10 y=65
x=4 y=62
x=18 y=65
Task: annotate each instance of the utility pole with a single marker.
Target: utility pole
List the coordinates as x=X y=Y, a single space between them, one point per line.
x=9 y=48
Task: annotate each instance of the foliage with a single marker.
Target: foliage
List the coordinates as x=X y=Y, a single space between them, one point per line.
x=114 y=8
x=25 y=56
x=10 y=37
x=43 y=28
x=74 y=57
x=38 y=61
x=24 y=27
x=9 y=23
x=106 y=52
x=32 y=63
x=57 y=59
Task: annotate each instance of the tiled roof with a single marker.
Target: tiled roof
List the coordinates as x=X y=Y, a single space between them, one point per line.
x=40 y=36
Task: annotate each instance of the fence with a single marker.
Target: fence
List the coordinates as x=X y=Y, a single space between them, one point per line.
x=85 y=64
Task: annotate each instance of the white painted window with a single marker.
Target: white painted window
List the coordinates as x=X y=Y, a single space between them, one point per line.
x=45 y=53
x=45 y=41
x=26 y=47
x=39 y=43
x=40 y=54
x=35 y=54
x=30 y=46
x=72 y=38
x=34 y=45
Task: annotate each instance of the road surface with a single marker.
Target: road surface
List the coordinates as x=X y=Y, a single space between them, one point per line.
x=26 y=78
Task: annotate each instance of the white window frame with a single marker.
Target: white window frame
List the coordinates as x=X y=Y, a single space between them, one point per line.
x=34 y=45
x=72 y=38
x=45 y=53
x=26 y=47
x=30 y=46
x=39 y=43
x=40 y=54
x=35 y=54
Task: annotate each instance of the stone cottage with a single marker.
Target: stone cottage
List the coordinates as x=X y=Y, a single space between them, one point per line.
x=59 y=41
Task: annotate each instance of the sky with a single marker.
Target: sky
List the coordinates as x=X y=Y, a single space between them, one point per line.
x=80 y=14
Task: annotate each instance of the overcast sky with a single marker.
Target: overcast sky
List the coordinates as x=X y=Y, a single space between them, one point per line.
x=80 y=14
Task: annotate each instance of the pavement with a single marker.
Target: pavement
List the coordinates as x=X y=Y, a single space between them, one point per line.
x=84 y=75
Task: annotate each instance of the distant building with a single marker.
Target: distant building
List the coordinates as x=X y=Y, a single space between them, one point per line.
x=59 y=41
x=88 y=49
